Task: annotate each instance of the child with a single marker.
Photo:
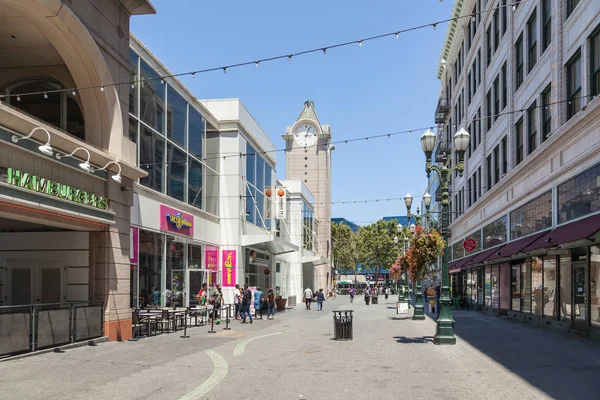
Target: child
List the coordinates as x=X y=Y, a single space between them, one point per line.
x=211 y=307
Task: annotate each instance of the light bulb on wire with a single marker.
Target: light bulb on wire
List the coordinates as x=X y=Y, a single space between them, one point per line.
x=45 y=95
x=360 y=43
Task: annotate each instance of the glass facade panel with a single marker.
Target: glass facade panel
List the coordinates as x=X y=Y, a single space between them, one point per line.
x=211 y=183
x=176 y=160
x=133 y=77
x=565 y=287
x=480 y=285
x=457 y=250
x=195 y=183
x=133 y=130
x=550 y=277
x=152 y=98
x=580 y=195
x=505 y=295
x=152 y=158
x=250 y=165
x=515 y=279
x=495 y=287
x=537 y=285
x=495 y=233
x=594 y=282
x=176 y=117
x=476 y=236
x=250 y=212
x=488 y=286
x=150 y=267
x=526 y=286
x=574 y=85
x=196 y=133
x=173 y=296
x=532 y=217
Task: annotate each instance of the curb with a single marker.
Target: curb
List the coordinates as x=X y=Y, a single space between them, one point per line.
x=91 y=342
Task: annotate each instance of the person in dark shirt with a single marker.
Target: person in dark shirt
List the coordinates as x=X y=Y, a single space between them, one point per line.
x=320 y=300
x=246 y=304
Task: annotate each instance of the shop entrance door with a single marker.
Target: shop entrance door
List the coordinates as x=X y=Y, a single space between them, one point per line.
x=197 y=278
x=34 y=282
x=580 y=297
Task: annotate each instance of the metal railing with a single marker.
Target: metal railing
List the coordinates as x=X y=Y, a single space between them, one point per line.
x=34 y=327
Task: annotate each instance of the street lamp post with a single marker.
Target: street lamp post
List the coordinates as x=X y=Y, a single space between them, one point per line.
x=408 y=200
x=445 y=323
x=419 y=313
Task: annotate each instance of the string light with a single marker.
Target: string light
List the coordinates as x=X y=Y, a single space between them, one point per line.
x=360 y=43
x=102 y=88
x=287 y=55
x=193 y=75
x=74 y=93
x=18 y=98
x=224 y=70
x=45 y=95
x=290 y=58
x=256 y=64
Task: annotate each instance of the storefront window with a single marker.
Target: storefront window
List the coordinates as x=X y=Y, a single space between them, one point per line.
x=515 y=279
x=457 y=250
x=195 y=184
x=537 y=298
x=173 y=296
x=494 y=233
x=196 y=133
x=176 y=117
x=495 y=288
x=532 y=217
x=488 y=286
x=133 y=77
x=196 y=273
x=594 y=282
x=152 y=98
x=565 y=287
x=150 y=267
x=152 y=158
x=580 y=195
x=505 y=295
x=526 y=286
x=480 y=285
x=550 y=275
x=176 y=165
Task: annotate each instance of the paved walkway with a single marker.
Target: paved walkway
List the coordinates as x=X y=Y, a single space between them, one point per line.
x=294 y=356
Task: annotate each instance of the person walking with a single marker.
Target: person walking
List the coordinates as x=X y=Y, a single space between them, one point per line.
x=320 y=300
x=271 y=304
x=308 y=295
x=352 y=294
x=367 y=295
x=258 y=302
x=217 y=293
x=236 y=301
x=247 y=295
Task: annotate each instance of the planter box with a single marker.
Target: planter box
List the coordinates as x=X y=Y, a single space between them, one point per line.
x=280 y=303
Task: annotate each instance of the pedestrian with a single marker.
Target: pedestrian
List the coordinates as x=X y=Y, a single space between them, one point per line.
x=271 y=304
x=217 y=293
x=258 y=302
x=236 y=301
x=308 y=295
x=367 y=295
x=320 y=300
x=156 y=296
x=247 y=295
x=387 y=292
x=352 y=294
x=210 y=307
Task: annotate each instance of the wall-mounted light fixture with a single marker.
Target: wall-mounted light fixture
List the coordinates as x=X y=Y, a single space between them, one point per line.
x=84 y=165
x=117 y=177
x=44 y=149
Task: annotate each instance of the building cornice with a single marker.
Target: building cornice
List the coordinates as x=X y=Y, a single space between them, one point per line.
x=450 y=33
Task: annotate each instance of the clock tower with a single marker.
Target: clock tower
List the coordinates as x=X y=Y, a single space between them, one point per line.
x=308 y=159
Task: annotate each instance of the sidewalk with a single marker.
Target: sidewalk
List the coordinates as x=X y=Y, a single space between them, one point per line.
x=391 y=356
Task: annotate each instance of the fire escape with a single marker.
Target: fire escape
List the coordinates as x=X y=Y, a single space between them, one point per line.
x=442 y=151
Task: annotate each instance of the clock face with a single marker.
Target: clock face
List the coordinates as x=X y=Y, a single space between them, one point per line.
x=305 y=133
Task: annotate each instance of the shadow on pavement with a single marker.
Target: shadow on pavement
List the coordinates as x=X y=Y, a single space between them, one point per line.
x=398 y=318
x=563 y=366
x=409 y=340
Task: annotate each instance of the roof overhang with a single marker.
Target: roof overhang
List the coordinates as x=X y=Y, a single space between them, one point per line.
x=271 y=243
x=311 y=258
x=138 y=7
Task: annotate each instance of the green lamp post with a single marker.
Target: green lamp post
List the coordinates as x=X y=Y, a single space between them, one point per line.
x=445 y=323
x=419 y=314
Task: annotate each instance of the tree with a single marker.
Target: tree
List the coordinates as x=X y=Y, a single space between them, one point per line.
x=378 y=242
x=348 y=249
x=424 y=251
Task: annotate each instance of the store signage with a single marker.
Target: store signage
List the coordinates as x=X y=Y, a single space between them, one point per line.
x=229 y=264
x=211 y=256
x=268 y=203
x=42 y=185
x=281 y=203
x=469 y=244
x=134 y=234
x=173 y=220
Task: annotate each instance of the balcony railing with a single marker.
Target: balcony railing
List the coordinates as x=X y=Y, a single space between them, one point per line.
x=442 y=110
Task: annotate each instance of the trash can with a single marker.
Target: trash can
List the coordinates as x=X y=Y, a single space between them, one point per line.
x=374 y=300
x=342 y=325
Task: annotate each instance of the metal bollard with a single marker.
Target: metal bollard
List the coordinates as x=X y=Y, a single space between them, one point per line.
x=212 y=322
x=227 y=318
x=185 y=324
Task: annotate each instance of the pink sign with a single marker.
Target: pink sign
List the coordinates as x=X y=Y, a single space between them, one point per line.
x=134 y=233
x=229 y=264
x=211 y=260
x=175 y=221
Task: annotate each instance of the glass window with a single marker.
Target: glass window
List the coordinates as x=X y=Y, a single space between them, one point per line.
x=547 y=24
x=537 y=286
x=176 y=160
x=504 y=86
x=173 y=295
x=504 y=145
x=495 y=233
x=480 y=285
x=150 y=267
x=458 y=250
x=196 y=132
x=526 y=286
x=595 y=63
x=574 y=85
x=550 y=276
x=152 y=158
x=488 y=41
x=546 y=114
x=250 y=209
x=496 y=97
x=495 y=288
x=260 y=173
x=571 y=4
x=152 y=98
x=532 y=41
x=565 y=287
x=250 y=165
x=176 y=116
x=519 y=62
x=488 y=286
x=211 y=184
x=504 y=277
x=515 y=279
x=133 y=130
x=532 y=128
x=133 y=77
x=534 y=216
x=496 y=30
x=519 y=141
x=488 y=104
x=490 y=182
x=196 y=276
x=504 y=17
x=594 y=282
x=580 y=195
x=195 y=183
x=497 y=164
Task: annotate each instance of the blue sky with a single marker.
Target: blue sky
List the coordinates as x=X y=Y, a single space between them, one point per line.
x=387 y=85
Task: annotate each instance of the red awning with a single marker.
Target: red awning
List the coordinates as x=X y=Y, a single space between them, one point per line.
x=460 y=264
x=571 y=232
x=481 y=257
x=515 y=247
